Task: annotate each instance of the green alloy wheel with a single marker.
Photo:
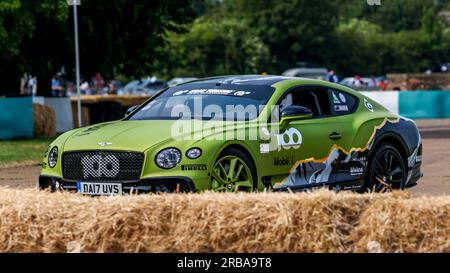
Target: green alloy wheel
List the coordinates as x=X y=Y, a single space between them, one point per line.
x=232 y=172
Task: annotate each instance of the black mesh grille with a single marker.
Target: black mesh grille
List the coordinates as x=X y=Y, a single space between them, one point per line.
x=102 y=166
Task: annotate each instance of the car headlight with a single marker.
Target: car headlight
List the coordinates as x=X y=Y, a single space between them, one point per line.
x=194 y=153
x=53 y=157
x=168 y=158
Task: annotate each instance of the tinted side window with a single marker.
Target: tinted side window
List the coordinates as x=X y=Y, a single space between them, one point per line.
x=343 y=103
x=316 y=99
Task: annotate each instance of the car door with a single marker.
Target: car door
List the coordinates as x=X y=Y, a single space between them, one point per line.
x=306 y=151
x=352 y=167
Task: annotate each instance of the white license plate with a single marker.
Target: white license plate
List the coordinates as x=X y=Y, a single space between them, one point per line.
x=99 y=188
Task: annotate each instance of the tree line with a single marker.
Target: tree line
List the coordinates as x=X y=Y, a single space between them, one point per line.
x=168 y=38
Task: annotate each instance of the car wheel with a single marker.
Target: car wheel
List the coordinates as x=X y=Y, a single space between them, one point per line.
x=233 y=171
x=386 y=170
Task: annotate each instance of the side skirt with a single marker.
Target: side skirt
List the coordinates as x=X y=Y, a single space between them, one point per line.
x=335 y=186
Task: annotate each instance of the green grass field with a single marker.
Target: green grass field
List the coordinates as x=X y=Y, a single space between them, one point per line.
x=16 y=152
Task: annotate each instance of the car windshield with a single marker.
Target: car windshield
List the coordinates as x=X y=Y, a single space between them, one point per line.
x=206 y=102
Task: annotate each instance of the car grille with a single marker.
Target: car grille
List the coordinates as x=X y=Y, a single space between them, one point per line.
x=102 y=166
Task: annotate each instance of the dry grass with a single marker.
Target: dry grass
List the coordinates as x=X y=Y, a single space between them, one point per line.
x=414 y=225
x=321 y=221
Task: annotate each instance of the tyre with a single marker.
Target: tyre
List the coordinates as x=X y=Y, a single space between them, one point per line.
x=233 y=171
x=386 y=170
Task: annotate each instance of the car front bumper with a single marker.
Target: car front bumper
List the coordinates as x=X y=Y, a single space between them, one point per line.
x=146 y=185
x=415 y=173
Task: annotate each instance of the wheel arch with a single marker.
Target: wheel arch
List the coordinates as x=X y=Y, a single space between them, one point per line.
x=395 y=140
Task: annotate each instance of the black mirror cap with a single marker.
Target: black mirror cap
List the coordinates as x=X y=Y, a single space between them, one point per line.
x=131 y=109
x=296 y=110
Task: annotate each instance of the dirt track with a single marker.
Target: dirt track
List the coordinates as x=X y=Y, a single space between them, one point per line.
x=436 y=158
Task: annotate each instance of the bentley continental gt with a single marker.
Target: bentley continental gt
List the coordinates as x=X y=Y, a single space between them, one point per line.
x=240 y=133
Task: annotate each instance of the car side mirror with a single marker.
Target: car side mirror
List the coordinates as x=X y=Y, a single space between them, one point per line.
x=130 y=110
x=295 y=112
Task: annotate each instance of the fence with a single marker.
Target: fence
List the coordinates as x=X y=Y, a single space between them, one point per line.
x=415 y=104
x=16 y=118
x=63 y=111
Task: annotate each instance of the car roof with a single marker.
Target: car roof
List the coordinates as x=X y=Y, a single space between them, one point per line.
x=262 y=80
x=266 y=80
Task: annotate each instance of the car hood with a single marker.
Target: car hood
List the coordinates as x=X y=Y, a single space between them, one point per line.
x=136 y=135
x=129 y=135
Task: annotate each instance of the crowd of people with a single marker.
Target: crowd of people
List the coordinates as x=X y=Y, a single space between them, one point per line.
x=95 y=86
x=357 y=82
x=28 y=85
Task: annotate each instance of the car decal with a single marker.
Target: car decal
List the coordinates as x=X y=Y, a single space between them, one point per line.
x=310 y=171
x=291 y=138
x=368 y=105
x=194 y=167
x=264 y=148
x=283 y=160
x=224 y=92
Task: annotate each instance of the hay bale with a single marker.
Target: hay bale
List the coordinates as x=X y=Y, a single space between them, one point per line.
x=44 y=118
x=322 y=221
x=415 y=225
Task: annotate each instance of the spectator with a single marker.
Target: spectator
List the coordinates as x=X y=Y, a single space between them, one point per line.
x=332 y=77
x=23 y=84
x=34 y=88
x=56 y=87
x=70 y=87
x=31 y=85
x=383 y=85
x=372 y=82
x=114 y=85
x=84 y=88
x=357 y=81
x=98 y=83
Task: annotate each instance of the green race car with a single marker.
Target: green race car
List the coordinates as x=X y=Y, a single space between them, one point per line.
x=240 y=133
